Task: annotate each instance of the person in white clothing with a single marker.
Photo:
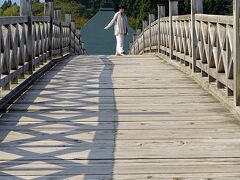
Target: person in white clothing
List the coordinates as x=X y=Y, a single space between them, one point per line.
x=120 y=29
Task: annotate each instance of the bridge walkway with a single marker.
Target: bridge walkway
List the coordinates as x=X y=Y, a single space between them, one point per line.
x=107 y=117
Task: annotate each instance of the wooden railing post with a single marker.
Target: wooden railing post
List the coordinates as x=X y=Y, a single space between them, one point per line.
x=236 y=51
x=173 y=11
x=74 y=34
x=57 y=16
x=150 y=32
x=83 y=47
x=48 y=8
x=143 y=27
x=145 y=24
x=151 y=18
x=26 y=10
x=48 y=11
x=138 y=33
x=161 y=13
x=78 y=39
x=68 y=20
x=196 y=7
x=134 y=39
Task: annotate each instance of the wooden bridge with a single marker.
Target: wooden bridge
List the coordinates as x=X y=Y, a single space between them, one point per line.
x=169 y=110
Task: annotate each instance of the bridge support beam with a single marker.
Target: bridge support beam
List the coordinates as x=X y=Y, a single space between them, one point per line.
x=236 y=51
x=161 y=13
x=196 y=7
x=173 y=11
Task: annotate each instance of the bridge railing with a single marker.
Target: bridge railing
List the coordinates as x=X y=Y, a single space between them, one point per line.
x=27 y=42
x=208 y=44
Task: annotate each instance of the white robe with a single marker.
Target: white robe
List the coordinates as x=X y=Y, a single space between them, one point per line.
x=121 y=24
x=120 y=30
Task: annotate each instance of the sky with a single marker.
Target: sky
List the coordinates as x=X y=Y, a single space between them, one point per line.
x=17 y=1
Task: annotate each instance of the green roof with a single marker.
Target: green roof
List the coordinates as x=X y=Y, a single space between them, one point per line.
x=100 y=41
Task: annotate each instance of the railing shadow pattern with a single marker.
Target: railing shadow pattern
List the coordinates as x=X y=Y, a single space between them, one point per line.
x=54 y=132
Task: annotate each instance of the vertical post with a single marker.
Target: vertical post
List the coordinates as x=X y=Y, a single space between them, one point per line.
x=26 y=10
x=78 y=39
x=236 y=51
x=73 y=30
x=138 y=33
x=173 y=11
x=150 y=32
x=48 y=11
x=68 y=20
x=143 y=27
x=134 y=43
x=48 y=8
x=57 y=16
x=83 y=48
x=161 y=13
x=196 y=7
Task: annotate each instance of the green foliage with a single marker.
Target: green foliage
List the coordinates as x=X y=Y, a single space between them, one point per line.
x=221 y=7
x=79 y=12
x=6 y=4
x=137 y=10
x=37 y=8
x=11 y=11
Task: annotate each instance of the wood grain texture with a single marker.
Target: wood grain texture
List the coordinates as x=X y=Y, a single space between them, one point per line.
x=107 y=117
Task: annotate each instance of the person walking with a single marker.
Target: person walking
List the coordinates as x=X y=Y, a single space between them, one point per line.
x=120 y=29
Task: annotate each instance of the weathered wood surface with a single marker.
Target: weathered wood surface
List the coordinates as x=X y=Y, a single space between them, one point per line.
x=134 y=117
x=205 y=43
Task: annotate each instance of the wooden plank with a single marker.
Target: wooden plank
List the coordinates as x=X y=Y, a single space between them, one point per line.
x=107 y=117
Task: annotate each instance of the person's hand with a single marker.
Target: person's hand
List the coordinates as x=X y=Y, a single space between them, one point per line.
x=105 y=28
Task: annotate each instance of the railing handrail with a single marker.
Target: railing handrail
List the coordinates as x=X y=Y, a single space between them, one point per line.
x=220 y=19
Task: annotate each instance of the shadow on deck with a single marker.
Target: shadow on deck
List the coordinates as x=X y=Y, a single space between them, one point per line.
x=54 y=132
x=106 y=117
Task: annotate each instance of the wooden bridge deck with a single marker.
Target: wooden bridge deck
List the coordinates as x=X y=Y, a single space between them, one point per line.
x=102 y=117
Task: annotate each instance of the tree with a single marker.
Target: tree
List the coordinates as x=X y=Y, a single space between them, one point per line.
x=6 y=4
x=11 y=11
x=37 y=8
